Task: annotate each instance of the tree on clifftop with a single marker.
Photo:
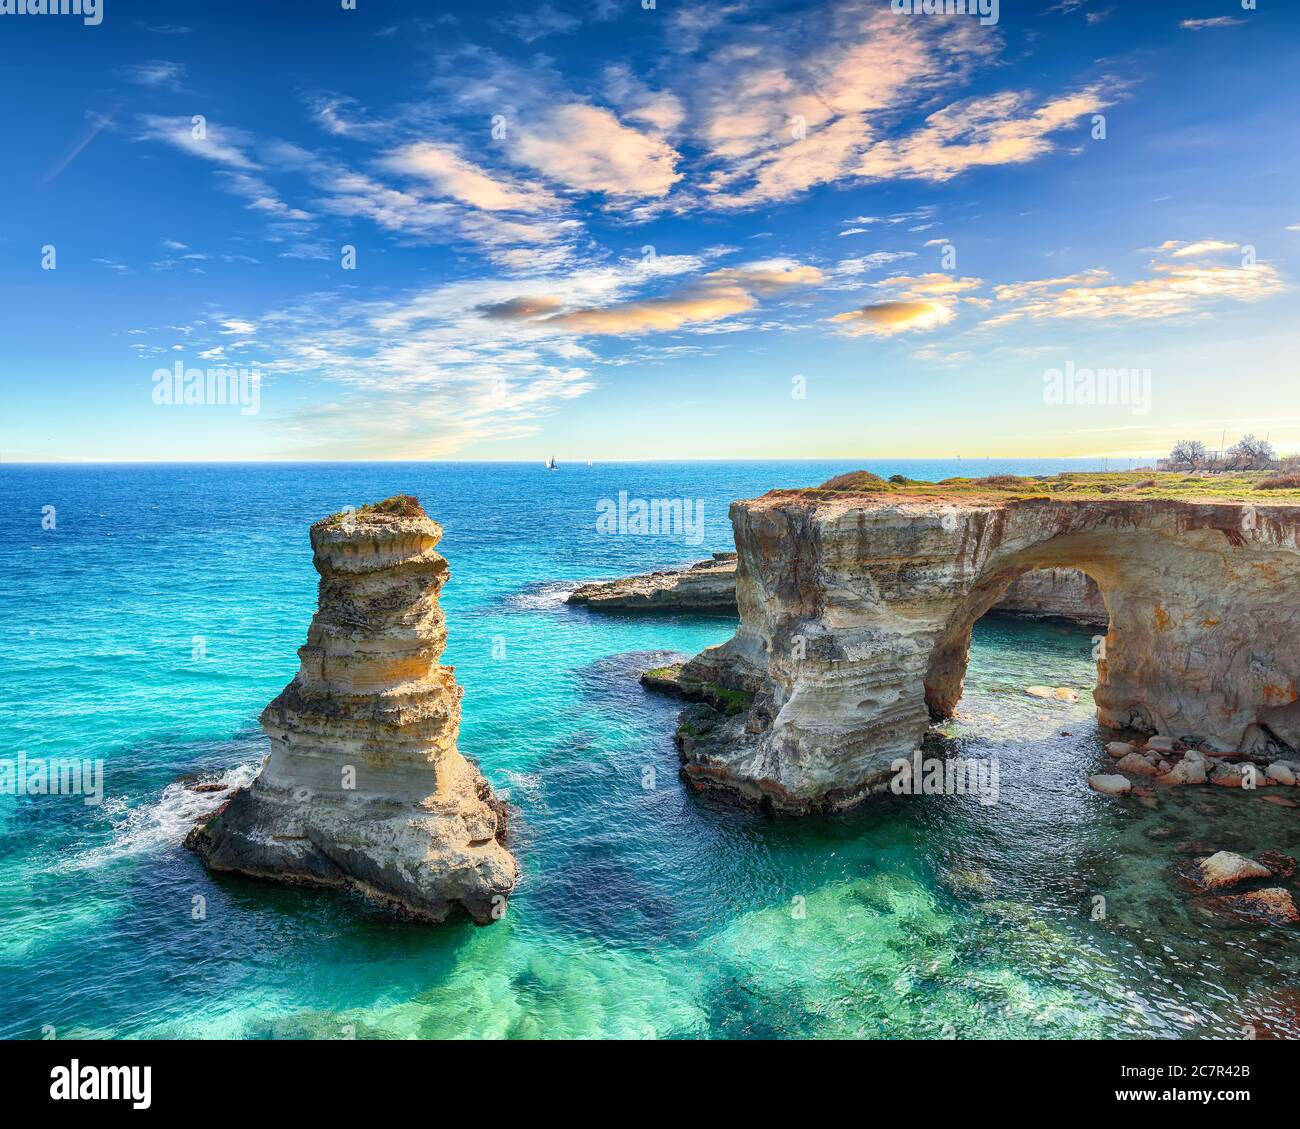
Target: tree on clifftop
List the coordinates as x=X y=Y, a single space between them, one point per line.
x=1252 y=453
x=1189 y=453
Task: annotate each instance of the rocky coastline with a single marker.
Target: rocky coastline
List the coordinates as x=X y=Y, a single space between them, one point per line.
x=856 y=612
x=364 y=788
x=710 y=587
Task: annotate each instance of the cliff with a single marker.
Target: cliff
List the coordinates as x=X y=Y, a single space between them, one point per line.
x=856 y=611
x=710 y=586
x=364 y=788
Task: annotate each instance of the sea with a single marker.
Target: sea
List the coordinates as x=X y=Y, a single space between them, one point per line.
x=149 y=612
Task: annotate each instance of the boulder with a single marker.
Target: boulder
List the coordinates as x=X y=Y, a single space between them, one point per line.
x=1137 y=764
x=1110 y=784
x=1119 y=749
x=1224 y=869
x=1280 y=773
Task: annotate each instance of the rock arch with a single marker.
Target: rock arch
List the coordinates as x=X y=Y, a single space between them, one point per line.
x=856 y=613
x=946 y=673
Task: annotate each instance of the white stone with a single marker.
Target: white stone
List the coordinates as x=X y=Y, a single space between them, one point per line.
x=1112 y=784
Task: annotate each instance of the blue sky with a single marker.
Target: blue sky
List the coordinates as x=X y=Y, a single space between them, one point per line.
x=732 y=228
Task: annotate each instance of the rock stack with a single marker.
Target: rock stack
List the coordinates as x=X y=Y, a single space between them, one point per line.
x=364 y=788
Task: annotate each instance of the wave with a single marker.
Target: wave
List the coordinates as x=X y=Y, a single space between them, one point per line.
x=544 y=597
x=162 y=824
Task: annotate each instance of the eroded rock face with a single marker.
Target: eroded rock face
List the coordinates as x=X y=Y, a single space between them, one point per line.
x=856 y=612
x=1057 y=593
x=364 y=787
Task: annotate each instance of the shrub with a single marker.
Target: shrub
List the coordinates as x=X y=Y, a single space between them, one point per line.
x=854 y=480
x=1002 y=481
x=399 y=505
x=1281 y=482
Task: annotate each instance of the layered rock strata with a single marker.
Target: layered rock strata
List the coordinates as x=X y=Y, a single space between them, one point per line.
x=856 y=613
x=364 y=788
x=710 y=586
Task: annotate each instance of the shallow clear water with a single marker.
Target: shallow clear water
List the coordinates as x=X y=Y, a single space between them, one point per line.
x=642 y=911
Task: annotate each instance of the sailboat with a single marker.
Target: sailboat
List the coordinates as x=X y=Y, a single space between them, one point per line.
x=552 y=464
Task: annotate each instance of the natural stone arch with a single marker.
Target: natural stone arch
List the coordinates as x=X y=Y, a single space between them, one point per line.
x=946 y=676
x=845 y=601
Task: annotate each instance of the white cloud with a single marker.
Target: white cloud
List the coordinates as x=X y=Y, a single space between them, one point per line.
x=1206 y=24
x=588 y=149
x=158 y=73
x=452 y=175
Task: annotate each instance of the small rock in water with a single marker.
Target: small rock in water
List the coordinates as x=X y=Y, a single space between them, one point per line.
x=1226 y=869
x=1065 y=694
x=1232 y=775
x=1189 y=770
x=1273 y=905
x=1119 y=749
x=1138 y=764
x=1160 y=744
x=1279 y=863
x=1040 y=691
x=1281 y=773
x=1111 y=784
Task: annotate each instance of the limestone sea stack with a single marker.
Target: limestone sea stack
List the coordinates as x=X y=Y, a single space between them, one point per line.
x=364 y=788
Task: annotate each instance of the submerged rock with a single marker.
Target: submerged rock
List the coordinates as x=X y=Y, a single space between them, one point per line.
x=1274 y=905
x=1225 y=868
x=364 y=788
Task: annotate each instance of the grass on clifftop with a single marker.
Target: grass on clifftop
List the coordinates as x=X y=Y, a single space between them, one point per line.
x=399 y=505
x=1232 y=486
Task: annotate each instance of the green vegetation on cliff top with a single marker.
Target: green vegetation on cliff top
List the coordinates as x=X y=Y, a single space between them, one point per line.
x=1141 y=485
x=399 y=505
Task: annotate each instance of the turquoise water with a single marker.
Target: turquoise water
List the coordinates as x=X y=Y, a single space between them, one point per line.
x=642 y=912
